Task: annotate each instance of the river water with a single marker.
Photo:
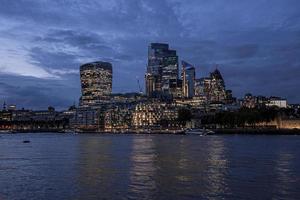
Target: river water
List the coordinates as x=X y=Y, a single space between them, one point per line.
x=58 y=166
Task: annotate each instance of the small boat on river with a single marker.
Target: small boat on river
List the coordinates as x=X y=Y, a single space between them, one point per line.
x=198 y=131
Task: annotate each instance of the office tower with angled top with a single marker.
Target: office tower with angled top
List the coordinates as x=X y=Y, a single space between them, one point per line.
x=162 y=69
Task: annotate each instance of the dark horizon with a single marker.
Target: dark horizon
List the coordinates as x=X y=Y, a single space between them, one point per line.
x=44 y=44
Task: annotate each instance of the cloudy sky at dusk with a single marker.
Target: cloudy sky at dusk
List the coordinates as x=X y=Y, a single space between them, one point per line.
x=43 y=42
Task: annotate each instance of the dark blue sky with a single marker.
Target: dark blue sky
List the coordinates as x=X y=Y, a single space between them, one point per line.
x=43 y=42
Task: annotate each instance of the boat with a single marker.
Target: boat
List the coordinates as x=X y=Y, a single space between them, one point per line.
x=198 y=131
x=69 y=131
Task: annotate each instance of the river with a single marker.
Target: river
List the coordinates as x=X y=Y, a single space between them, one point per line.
x=62 y=166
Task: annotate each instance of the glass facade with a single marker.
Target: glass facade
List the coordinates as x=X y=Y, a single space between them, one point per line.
x=214 y=87
x=188 y=77
x=162 y=69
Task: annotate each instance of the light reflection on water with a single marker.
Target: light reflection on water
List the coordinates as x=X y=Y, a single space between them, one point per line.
x=149 y=167
x=142 y=171
x=285 y=175
x=217 y=170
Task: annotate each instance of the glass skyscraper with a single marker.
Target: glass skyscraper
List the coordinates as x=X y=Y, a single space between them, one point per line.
x=162 y=69
x=188 y=78
x=96 y=83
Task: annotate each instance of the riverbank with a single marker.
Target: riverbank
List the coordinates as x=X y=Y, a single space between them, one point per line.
x=238 y=131
x=257 y=131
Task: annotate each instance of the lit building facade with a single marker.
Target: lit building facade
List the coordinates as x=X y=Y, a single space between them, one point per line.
x=217 y=90
x=96 y=83
x=176 y=90
x=198 y=102
x=118 y=119
x=278 y=102
x=188 y=80
x=214 y=87
x=154 y=115
x=249 y=101
x=88 y=119
x=199 y=87
x=162 y=69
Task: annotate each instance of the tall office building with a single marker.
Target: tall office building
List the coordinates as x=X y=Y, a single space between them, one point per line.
x=188 y=80
x=96 y=83
x=162 y=69
x=199 y=88
x=214 y=87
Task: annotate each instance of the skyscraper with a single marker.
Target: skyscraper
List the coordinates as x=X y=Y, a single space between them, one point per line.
x=96 y=83
x=215 y=87
x=199 y=88
x=162 y=69
x=188 y=78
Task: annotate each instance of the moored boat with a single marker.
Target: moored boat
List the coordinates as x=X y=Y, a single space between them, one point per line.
x=198 y=131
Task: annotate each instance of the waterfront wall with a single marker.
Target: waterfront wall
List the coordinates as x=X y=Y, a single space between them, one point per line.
x=282 y=124
x=289 y=124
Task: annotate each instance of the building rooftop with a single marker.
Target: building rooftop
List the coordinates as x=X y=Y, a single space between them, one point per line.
x=97 y=64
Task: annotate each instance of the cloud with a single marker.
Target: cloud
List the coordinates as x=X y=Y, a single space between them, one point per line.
x=16 y=61
x=255 y=42
x=30 y=92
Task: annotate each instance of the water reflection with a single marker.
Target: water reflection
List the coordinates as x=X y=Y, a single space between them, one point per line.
x=94 y=162
x=149 y=167
x=143 y=169
x=217 y=165
x=102 y=167
x=285 y=175
x=183 y=160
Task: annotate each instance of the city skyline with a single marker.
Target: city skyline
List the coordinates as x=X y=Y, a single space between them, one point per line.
x=41 y=58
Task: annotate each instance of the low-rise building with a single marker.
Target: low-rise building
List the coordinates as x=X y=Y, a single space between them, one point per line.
x=88 y=119
x=155 y=115
x=198 y=102
x=249 y=101
x=277 y=101
x=117 y=119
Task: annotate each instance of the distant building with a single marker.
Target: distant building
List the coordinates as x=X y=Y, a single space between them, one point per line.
x=96 y=83
x=261 y=100
x=278 y=102
x=229 y=98
x=162 y=69
x=197 y=102
x=176 y=90
x=188 y=80
x=206 y=84
x=127 y=98
x=295 y=106
x=117 y=119
x=217 y=90
x=154 y=115
x=249 y=101
x=12 y=108
x=5 y=116
x=199 y=87
x=88 y=119
x=150 y=81
x=213 y=87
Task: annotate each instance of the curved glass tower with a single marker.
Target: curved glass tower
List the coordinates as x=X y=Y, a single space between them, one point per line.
x=96 y=83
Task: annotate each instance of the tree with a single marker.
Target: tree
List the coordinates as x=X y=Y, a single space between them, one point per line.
x=184 y=115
